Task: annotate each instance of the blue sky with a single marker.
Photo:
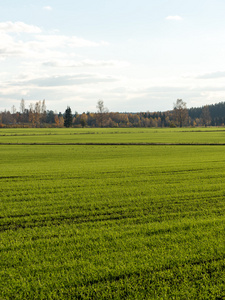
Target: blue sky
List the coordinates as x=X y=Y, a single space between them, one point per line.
x=134 y=55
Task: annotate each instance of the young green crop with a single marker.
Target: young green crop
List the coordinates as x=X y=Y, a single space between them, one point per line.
x=112 y=222
x=114 y=135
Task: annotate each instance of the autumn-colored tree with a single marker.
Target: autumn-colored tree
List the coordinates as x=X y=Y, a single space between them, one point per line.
x=91 y=121
x=61 y=121
x=56 y=120
x=123 y=120
x=83 y=120
x=135 y=120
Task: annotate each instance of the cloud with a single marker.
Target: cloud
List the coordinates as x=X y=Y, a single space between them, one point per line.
x=41 y=46
x=174 y=18
x=157 y=98
x=213 y=75
x=47 y=8
x=65 y=80
x=18 y=27
x=67 y=41
x=84 y=63
x=85 y=89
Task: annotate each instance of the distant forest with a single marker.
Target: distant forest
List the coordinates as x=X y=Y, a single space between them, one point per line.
x=38 y=116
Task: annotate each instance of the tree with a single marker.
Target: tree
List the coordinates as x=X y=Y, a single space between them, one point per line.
x=43 y=107
x=206 y=118
x=101 y=113
x=37 y=111
x=13 y=109
x=22 y=106
x=83 y=120
x=31 y=114
x=68 y=117
x=61 y=121
x=50 y=117
x=180 y=112
x=56 y=120
x=43 y=112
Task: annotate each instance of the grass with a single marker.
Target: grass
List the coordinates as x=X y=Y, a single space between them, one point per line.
x=112 y=222
x=114 y=135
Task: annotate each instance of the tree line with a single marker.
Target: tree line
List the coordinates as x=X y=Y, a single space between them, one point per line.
x=37 y=115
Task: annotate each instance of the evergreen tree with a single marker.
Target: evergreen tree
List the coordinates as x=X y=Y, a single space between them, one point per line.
x=68 y=119
x=206 y=118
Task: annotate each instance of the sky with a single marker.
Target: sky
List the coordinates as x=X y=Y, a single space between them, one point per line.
x=135 y=55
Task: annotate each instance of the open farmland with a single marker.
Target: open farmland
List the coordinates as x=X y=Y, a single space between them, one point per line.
x=114 y=135
x=112 y=221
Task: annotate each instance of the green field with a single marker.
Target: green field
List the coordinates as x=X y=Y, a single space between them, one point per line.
x=112 y=221
x=114 y=135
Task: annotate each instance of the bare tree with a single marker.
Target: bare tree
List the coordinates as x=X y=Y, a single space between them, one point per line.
x=180 y=112
x=101 y=113
x=43 y=107
x=13 y=109
x=22 y=106
x=31 y=114
x=37 y=110
x=13 y=114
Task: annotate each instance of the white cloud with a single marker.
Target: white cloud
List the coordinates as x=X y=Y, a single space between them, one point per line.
x=61 y=80
x=67 y=41
x=47 y=8
x=18 y=27
x=85 y=63
x=213 y=75
x=41 y=46
x=174 y=18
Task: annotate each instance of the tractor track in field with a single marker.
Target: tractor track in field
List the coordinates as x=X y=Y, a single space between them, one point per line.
x=115 y=144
